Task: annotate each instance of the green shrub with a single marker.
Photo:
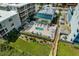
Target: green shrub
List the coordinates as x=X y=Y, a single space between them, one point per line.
x=76 y=46
x=35 y=35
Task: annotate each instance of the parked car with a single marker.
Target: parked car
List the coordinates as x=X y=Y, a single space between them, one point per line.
x=63 y=37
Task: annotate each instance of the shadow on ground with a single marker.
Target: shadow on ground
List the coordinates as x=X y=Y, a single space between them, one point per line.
x=12 y=36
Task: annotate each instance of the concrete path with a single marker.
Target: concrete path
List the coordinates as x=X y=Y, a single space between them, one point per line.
x=55 y=44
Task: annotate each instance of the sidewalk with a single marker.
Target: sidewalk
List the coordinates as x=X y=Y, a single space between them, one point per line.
x=55 y=45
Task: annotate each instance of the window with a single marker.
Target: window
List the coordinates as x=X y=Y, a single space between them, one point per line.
x=77 y=30
x=28 y=5
x=6 y=29
x=0 y=26
x=3 y=24
x=78 y=23
x=10 y=19
x=12 y=24
x=25 y=6
x=74 y=35
x=2 y=32
x=22 y=8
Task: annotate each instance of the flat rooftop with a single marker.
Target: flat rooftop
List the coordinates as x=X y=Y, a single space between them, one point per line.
x=43 y=30
x=6 y=14
x=12 y=4
x=47 y=10
x=46 y=13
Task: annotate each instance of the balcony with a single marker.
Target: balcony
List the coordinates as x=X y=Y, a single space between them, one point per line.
x=21 y=14
x=2 y=32
x=21 y=9
x=28 y=5
x=0 y=26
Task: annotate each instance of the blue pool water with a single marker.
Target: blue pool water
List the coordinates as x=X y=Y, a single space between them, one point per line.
x=45 y=16
x=38 y=28
x=76 y=40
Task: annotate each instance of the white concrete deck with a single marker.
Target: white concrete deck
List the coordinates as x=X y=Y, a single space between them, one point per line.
x=47 y=31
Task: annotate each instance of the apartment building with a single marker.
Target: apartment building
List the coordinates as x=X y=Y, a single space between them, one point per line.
x=74 y=22
x=40 y=5
x=24 y=10
x=8 y=21
x=70 y=13
x=58 y=6
x=71 y=4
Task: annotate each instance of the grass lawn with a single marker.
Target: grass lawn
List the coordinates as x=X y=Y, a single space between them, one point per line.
x=66 y=49
x=31 y=48
x=2 y=41
x=6 y=50
x=11 y=52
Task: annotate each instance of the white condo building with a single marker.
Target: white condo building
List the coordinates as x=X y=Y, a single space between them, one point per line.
x=24 y=10
x=74 y=22
x=8 y=21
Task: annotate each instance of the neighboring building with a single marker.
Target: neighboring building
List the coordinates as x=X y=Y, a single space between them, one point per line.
x=43 y=25
x=70 y=13
x=24 y=10
x=63 y=5
x=71 y=4
x=74 y=22
x=58 y=6
x=47 y=13
x=8 y=21
x=41 y=5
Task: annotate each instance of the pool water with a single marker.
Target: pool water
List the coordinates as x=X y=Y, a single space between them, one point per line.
x=45 y=16
x=39 y=28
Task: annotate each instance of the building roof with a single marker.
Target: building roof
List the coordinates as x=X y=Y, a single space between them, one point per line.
x=47 y=10
x=3 y=5
x=12 y=4
x=46 y=13
x=6 y=14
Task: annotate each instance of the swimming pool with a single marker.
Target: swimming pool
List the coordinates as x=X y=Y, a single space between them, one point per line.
x=42 y=15
x=39 y=28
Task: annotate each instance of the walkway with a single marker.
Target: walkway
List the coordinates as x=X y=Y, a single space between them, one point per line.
x=55 y=44
x=53 y=51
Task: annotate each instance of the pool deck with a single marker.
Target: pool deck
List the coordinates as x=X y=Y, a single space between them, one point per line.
x=47 y=31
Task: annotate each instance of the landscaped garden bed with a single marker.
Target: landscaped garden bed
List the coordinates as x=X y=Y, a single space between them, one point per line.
x=36 y=35
x=24 y=47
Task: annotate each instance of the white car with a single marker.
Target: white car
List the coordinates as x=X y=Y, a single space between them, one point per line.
x=63 y=37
